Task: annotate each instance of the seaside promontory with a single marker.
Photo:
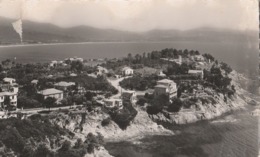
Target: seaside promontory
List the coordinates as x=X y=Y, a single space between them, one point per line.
x=74 y=106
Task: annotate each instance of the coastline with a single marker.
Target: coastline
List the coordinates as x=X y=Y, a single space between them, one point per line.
x=81 y=43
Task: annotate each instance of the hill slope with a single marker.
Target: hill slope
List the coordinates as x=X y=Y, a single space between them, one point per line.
x=47 y=33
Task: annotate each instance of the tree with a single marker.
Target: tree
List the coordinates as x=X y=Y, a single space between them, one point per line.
x=79 y=143
x=175 y=106
x=158 y=103
x=144 y=55
x=77 y=65
x=186 y=53
x=25 y=102
x=49 y=102
x=65 y=146
x=129 y=57
x=7 y=102
x=141 y=101
x=43 y=151
x=226 y=67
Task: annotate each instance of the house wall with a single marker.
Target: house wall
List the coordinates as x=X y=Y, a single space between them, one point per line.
x=58 y=96
x=128 y=72
x=159 y=91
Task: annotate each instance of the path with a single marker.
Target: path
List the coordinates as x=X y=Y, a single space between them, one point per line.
x=115 y=83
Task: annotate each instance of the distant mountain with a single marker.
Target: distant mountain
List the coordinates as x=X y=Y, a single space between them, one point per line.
x=34 y=32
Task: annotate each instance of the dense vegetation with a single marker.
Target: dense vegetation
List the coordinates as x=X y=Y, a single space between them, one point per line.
x=38 y=137
x=123 y=117
x=137 y=82
x=151 y=59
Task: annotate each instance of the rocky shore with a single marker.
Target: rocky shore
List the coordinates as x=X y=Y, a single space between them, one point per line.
x=207 y=112
x=82 y=123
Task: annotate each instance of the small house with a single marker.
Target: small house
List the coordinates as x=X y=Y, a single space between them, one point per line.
x=127 y=71
x=166 y=86
x=160 y=73
x=199 y=73
x=64 y=85
x=101 y=70
x=34 y=82
x=113 y=103
x=52 y=92
x=129 y=96
x=199 y=58
x=12 y=96
x=9 y=81
x=73 y=75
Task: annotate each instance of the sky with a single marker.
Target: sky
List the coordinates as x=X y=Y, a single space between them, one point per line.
x=137 y=15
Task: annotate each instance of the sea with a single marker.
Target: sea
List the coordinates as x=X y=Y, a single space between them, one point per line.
x=232 y=135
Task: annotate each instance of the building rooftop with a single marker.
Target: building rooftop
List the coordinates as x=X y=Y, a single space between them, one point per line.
x=112 y=99
x=7 y=79
x=34 y=81
x=126 y=68
x=73 y=74
x=165 y=81
x=160 y=86
x=195 y=71
x=64 y=84
x=50 y=91
x=128 y=94
x=7 y=93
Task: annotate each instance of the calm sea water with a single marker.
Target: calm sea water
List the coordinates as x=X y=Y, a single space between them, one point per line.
x=241 y=56
x=232 y=135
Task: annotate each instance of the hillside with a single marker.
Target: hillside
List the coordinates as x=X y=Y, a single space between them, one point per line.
x=48 y=33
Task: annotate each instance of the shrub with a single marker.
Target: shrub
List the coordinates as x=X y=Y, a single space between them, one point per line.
x=175 y=106
x=125 y=116
x=154 y=109
x=24 y=102
x=141 y=101
x=105 y=122
x=65 y=146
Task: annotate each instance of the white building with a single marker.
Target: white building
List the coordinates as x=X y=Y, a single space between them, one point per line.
x=129 y=96
x=12 y=96
x=64 y=85
x=35 y=82
x=73 y=74
x=160 y=73
x=166 y=86
x=9 y=91
x=101 y=70
x=9 y=81
x=53 y=63
x=126 y=71
x=113 y=103
x=74 y=59
x=196 y=73
x=52 y=92
x=199 y=58
x=179 y=60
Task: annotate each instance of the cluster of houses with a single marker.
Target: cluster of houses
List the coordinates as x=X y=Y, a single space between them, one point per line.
x=126 y=96
x=61 y=89
x=164 y=86
x=55 y=63
x=9 y=87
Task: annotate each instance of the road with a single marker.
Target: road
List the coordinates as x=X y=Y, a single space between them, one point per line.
x=115 y=83
x=36 y=110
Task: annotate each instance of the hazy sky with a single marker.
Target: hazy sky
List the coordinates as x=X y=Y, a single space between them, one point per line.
x=137 y=15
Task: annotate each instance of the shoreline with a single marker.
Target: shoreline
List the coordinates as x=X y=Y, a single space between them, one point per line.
x=86 y=42
x=81 y=43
